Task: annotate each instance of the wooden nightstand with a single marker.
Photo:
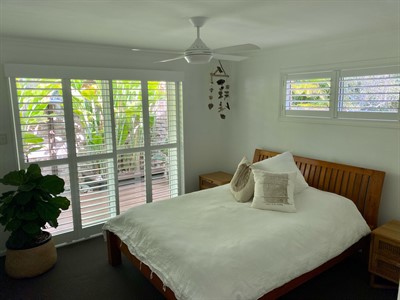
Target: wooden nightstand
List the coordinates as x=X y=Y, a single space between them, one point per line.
x=384 y=259
x=210 y=180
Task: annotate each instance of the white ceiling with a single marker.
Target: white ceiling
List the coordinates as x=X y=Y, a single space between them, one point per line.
x=164 y=24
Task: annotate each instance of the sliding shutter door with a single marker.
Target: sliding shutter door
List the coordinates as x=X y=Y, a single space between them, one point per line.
x=114 y=142
x=163 y=122
x=129 y=132
x=94 y=150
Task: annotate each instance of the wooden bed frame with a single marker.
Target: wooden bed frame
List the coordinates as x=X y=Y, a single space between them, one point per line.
x=362 y=186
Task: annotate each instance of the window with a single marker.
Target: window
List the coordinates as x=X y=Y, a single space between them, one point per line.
x=116 y=143
x=309 y=94
x=371 y=93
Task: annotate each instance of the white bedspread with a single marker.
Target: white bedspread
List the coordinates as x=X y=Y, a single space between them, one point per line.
x=205 y=245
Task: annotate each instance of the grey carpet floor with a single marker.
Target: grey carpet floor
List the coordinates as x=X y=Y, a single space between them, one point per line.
x=82 y=272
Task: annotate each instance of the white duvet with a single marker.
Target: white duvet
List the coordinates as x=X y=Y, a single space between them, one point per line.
x=205 y=245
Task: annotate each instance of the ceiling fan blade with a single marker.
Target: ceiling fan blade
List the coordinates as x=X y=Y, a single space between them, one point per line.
x=237 y=48
x=156 y=51
x=171 y=59
x=228 y=57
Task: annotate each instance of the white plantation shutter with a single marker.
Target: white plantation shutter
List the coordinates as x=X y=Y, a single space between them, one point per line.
x=375 y=95
x=41 y=119
x=128 y=113
x=164 y=131
x=131 y=180
x=367 y=94
x=116 y=143
x=308 y=94
x=97 y=191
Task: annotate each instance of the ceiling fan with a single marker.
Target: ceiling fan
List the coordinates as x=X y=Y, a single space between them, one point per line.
x=199 y=53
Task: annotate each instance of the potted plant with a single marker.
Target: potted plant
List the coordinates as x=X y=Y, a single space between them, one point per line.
x=25 y=212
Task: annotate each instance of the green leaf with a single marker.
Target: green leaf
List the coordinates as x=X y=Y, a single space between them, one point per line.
x=31 y=228
x=8 y=211
x=30 y=138
x=53 y=223
x=47 y=211
x=27 y=187
x=52 y=184
x=27 y=215
x=15 y=178
x=13 y=225
x=60 y=202
x=22 y=198
x=7 y=197
x=34 y=171
x=33 y=149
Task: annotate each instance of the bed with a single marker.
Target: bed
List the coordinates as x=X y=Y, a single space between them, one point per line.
x=179 y=266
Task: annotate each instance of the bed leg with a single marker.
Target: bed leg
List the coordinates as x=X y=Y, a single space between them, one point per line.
x=114 y=254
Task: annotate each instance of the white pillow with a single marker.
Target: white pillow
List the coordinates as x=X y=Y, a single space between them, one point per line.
x=242 y=182
x=274 y=191
x=283 y=163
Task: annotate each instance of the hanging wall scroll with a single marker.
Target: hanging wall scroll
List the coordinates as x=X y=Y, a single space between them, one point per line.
x=219 y=90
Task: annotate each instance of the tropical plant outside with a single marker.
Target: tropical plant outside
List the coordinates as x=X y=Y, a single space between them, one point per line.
x=42 y=118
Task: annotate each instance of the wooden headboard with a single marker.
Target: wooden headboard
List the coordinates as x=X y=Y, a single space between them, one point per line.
x=362 y=186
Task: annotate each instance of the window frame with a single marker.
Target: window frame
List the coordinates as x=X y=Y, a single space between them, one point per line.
x=334 y=114
x=66 y=74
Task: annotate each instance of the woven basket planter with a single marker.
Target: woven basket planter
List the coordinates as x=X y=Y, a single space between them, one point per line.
x=31 y=262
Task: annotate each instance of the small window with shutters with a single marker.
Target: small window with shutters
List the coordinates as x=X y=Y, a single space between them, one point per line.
x=359 y=94
x=309 y=94
x=369 y=93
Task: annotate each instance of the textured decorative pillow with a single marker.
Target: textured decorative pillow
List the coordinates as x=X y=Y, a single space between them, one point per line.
x=274 y=191
x=283 y=163
x=242 y=183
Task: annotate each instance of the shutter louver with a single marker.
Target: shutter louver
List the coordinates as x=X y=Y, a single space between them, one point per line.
x=91 y=105
x=162 y=112
x=131 y=180
x=41 y=117
x=372 y=93
x=163 y=134
x=97 y=191
x=308 y=94
x=128 y=112
x=165 y=174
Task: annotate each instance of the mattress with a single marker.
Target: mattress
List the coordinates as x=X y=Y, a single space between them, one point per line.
x=205 y=245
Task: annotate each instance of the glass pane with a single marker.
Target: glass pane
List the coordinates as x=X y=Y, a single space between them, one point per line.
x=164 y=166
x=308 y=94
x=131 y=180
x=41 y=116
x=65 y=221
x=162 y=112
x=92 y=116
x=374 y=93
x=128 y=112
x=97 y=191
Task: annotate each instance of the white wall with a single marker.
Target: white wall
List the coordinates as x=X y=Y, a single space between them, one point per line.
x=202 y=128
x=255 y=118
x=212 y=144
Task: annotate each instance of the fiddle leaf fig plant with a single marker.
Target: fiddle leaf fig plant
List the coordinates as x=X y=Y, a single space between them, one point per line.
x=34 y=204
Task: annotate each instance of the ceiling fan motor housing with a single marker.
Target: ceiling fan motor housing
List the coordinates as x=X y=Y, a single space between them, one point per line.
x=198 y=53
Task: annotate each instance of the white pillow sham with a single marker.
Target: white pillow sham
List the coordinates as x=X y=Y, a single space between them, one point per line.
x=283 y=163
x=274 y=191
x=242 y=183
